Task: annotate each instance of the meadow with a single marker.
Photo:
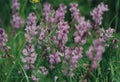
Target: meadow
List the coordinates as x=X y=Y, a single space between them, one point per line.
x=59 y=41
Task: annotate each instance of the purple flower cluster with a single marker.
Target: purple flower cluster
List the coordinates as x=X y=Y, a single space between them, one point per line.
x=31 y=19
x=82 y=31
x=34 y=78
x=55 y=30
x=48 y=13
x=95 y=53
x=17 y=21
x=3 y=38
x=75 y=11
x=42 y=32
x=29 y=52
x=98 y=12
x=62 y=32
x=43 y=70
x=15 y=6
x=54 y=59
x=29 y=57
x=52 y=16
x=105 y=35
x=71 y=58
x=31 y=27
x=82 y=27
x=47 y=9
x=60 y=13
x=3 y=47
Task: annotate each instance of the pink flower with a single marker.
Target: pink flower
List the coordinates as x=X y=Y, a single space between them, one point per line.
x=3 y=38
x=75 y=11
x=78 y=52
x=34 y=78
x=31 y=19
x=95 y=53
x=15 y=6
x=105 y=35
x=94 y=65
x=29 y=57
x=68 y=53
x=26 y=67
x=17 y=21
x=98 y=12
x=82 y=26
x=71 y=58
x=61 y=37
x=54 y=59
x=89 y=53
x=43 y=70
x=60 y=13
x=31 y=28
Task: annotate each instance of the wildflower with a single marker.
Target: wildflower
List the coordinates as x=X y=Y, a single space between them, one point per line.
x=17 y=21
x=54 y=58
x=42 y=32
x=3 y=38
x=29 y=57
x=75 y=11
x=71 y=58
x=31 y=27
x=95 y=53
x=82 y=26
x=43 y=70
x=29 y=52
x=34 y=78
x=98 y=12
x=82 y=30
x=60 y=13
x=48 y=13
x=15 y=6
x=78 y=52
x=105 y=35
x=62 y=32
x=31 y=19
x=35 y=1
x=3 y=46
x=68 y=53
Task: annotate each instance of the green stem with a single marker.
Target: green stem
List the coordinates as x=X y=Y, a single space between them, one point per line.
x=27 y=78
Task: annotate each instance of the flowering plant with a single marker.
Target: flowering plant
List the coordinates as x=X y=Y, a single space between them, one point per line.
x=57 y=48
